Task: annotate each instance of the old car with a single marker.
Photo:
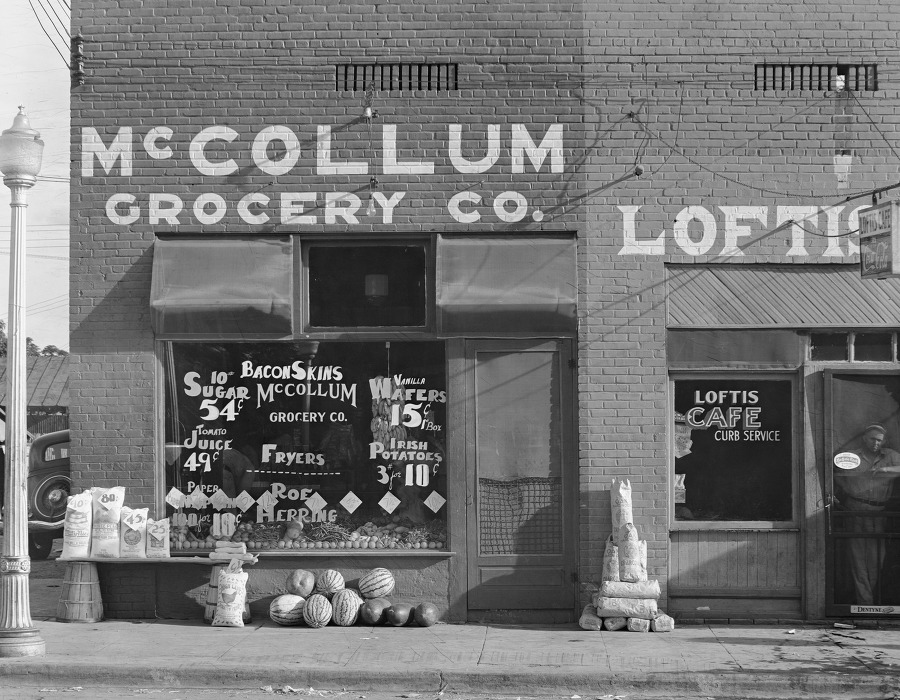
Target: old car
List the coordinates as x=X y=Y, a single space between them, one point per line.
x=49 y=486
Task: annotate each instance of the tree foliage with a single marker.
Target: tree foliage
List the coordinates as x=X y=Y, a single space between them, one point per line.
x=31 y=348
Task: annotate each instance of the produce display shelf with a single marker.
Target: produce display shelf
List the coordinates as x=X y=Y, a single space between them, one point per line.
x=295 y=553
x=144 y=560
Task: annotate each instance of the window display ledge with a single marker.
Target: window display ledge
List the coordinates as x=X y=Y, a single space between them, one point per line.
x=357 y=553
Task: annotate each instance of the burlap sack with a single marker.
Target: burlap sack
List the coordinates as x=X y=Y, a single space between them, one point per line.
x=630 y=567
x=232 y=596
x=133 y=532
x=644 y=608
x=615 y=623
x=77 y=526
x=625 y=589
x=107 y=512
x=589 y=619
x=662 y=623
x=620 y=501
x=636 y=624
x=158 y=539
x=610 y=561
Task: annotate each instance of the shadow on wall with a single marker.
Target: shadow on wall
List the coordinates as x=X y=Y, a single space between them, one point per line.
x=119 y=320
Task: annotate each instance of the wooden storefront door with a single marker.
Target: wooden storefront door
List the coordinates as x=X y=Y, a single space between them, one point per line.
x=521 y=480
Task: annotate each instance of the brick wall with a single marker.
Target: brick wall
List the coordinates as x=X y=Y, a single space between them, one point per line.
x=670 y=87
x=272 y=64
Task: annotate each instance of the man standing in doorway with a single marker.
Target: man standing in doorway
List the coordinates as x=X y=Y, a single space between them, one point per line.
x=867 y=489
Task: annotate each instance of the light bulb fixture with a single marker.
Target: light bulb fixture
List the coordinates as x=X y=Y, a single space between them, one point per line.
x=369 y=112
x=373 y=185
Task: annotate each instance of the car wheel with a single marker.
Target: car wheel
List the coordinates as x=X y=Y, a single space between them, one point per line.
x=40 y=544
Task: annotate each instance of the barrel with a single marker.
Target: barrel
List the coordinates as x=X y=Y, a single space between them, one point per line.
x=212 y=597
x=79 y=598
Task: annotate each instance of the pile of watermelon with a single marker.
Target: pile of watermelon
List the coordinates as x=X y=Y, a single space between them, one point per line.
x=317 y=601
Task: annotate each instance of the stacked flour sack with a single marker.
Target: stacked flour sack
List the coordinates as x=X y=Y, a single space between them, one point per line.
x=626 y=599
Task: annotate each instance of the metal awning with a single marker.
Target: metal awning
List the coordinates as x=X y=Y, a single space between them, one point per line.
x=47 y=379
x=779 y=296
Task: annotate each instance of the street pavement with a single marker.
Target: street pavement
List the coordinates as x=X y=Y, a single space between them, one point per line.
x=696 y=661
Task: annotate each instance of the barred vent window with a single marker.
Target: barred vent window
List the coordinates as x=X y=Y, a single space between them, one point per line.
x=433 y=77
x=862 y=77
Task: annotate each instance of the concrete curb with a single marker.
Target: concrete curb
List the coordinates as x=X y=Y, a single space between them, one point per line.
x=789 y=684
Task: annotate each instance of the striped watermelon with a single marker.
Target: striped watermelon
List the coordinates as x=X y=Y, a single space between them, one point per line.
x=287 y=609
x=345 y=607
x=329 y=582
x=317 y=611
x=376 y=583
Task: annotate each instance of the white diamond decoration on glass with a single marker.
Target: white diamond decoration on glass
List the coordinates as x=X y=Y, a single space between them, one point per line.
x=198 y=499
x=219 y=500
x=435 y=501
x=389 y=502
x=175 y=498
x=351 y=501
x=267 y=500
x=315 y=503
x=244 y=501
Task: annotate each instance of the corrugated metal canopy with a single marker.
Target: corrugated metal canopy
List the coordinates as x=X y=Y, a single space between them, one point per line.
x=782 y=296
x=48 y=381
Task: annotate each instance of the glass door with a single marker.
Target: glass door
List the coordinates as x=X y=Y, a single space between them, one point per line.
x=520 y=476
x=862 y=489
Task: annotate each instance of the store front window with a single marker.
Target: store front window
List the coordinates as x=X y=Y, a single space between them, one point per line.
x=308 y=444
x=733 y=450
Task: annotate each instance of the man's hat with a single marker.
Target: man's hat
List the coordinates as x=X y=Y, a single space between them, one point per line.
x=875 y=426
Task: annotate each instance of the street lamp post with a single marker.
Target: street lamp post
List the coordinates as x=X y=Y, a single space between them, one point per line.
x=20 y=163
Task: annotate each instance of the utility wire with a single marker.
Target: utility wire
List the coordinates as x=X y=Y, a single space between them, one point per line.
x=872 y=121
x=54 y=22
x=37 y=17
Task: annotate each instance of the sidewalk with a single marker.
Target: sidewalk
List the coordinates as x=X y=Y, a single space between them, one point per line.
x=693 y=661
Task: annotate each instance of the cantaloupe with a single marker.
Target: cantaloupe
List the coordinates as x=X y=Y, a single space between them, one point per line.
x=317 y=611
x=300 y=582
x=376 y=584
x=287 y=610
x=345 y=607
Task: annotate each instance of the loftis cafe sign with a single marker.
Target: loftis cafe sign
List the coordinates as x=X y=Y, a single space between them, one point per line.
x=275 y=151
x=736 y=231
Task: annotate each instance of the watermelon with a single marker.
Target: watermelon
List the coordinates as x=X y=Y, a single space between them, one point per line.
x=399 y=614
x=345 y=607
x=300 y=582
x=426 y=614
x=373 y=611
x=317 y=611
x=376 y=584
x=329 y=582
x=287 y=610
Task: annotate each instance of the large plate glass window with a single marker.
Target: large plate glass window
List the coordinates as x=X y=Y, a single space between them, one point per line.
x=307 y=444
x=733 y=450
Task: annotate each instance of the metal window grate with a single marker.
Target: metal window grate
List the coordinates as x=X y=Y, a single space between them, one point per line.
x=433 y=77
x=862 y=77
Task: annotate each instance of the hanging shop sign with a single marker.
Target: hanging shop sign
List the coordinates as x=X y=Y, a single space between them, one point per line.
x=879 y=241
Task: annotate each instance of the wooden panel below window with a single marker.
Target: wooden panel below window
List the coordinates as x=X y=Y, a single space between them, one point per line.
x=735 y=561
